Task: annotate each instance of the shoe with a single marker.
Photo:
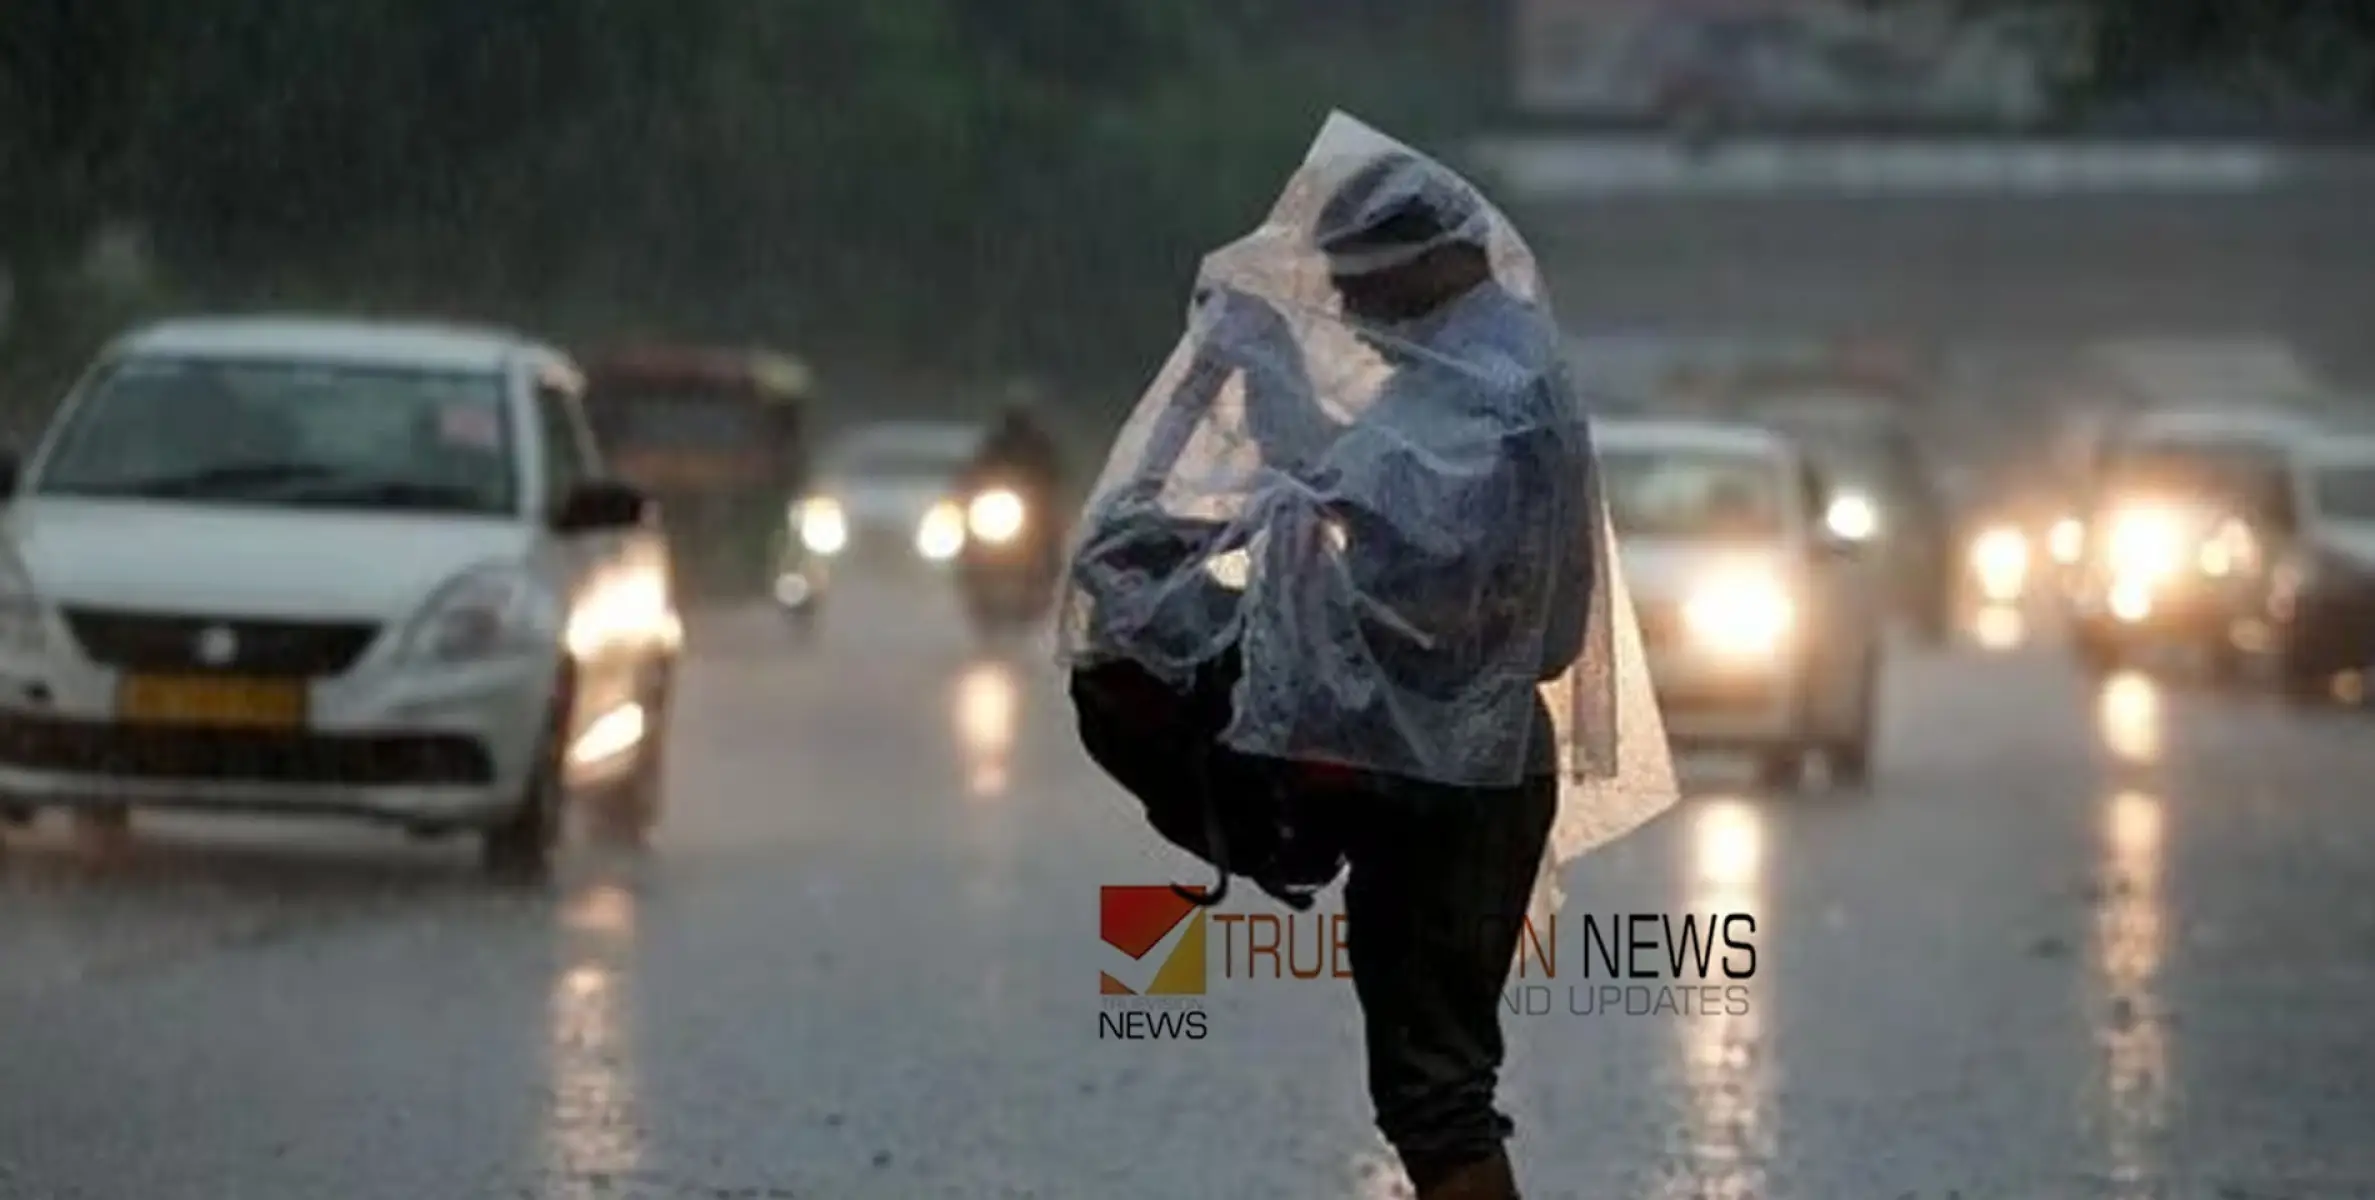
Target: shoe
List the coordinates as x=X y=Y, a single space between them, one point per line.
x=1485 y=1179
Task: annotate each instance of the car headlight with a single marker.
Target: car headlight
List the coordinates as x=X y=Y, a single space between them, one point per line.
x=942 y=533
x=485 y=612
x=2066 y=541
x=631 y=610
x=823 y=527
x=995 y=516
x=2000 y=558
x=1745 y=615
x=2233 y=550
x=22 y=631
x=2146 y=546
x=1853 y=516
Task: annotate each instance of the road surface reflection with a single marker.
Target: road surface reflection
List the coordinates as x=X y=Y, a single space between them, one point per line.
x=2128 y=713
x=987 y=705
x=1727 y=1135
x=593 y=1131
x=2131 y=940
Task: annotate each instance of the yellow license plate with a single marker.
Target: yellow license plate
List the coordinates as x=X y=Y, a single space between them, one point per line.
x=201 y=700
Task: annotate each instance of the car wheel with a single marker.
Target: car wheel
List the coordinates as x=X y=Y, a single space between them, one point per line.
x=1782 y=769
x=802 y=623
x=520 y=850
x=2225 y=662
x=1849 y=760
x=627 y=813
x=2301 y=680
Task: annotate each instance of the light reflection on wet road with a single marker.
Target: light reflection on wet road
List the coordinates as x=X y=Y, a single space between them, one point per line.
x=2080 y=942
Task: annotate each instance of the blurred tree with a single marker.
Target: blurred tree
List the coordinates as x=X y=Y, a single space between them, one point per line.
x=962 y=184
x=2285 y=57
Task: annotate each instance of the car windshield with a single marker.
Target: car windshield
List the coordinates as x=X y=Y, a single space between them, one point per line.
x=289 y=434
x=2347 y=493
x=2218 y=473
x=1693 y=494
x=933 y=458
x=682 y=419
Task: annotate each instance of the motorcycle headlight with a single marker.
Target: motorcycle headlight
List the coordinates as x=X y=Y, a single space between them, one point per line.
x=22 y=631
x=942 y=533
x=996 y=516
x=1742 y=615
x=1853 y=516
x=486 y=612
x=823 y=526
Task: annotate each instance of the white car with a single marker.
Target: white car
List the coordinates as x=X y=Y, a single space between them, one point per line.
x=885 y=500
x=293 y=566
x=1761 y=626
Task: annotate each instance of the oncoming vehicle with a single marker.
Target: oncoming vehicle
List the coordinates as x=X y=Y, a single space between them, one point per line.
x=886 y=501
x=2188 y=513
x=2321 y=613
x=1884 y=490
x=718 y=438
x=337 y=568
x=1758 y=622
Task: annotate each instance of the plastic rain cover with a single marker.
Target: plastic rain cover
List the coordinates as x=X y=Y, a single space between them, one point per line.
x=1395 y=519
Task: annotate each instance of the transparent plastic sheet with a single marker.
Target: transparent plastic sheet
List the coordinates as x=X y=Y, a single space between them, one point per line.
x=1397 y=523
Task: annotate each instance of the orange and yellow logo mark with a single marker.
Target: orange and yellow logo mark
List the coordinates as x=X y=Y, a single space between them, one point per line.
x=1138 y=920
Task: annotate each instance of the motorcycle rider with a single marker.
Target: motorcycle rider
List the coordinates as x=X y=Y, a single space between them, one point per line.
x=1018 y=453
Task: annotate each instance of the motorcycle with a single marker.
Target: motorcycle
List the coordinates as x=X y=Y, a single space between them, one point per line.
x=1012 y=561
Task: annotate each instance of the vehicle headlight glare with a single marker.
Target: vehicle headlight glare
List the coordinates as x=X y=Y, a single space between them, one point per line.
x=2000 y=558
x=996 y=515
x=1853 y=516
x=942 y=534
x=634 y=610
x=1740 y=616
x=824 y=528
x=2145 y=546
x=2066 y=541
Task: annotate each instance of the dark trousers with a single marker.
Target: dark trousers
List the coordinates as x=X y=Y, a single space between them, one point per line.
x=1435 y=901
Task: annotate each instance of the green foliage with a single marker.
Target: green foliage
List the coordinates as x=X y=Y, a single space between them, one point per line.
x=953 y=183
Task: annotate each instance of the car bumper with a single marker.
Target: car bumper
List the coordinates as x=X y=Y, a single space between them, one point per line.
x=447 y=746
x=1714 y=701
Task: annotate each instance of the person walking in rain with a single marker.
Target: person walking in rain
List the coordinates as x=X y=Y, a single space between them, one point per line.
x=1373 y=695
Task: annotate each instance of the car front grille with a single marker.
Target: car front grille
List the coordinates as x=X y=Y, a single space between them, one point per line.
x=243 y=756
x=156 y=642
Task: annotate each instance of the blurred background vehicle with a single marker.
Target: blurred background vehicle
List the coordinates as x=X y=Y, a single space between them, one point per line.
x=1862 y=431
x=2186 y=514
x=1757 y=616
x=719 y=437
x=2321 y=597
x=888 y=503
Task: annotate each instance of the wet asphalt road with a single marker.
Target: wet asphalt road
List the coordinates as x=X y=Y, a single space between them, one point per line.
x=2073 y=944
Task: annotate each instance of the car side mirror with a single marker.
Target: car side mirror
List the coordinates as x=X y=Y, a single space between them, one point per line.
x=601 y=505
